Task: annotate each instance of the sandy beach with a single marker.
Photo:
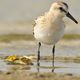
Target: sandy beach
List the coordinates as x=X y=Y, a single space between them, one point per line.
x=20 y=44
x=25 y=75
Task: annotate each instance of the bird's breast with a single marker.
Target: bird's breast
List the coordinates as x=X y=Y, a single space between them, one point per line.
x=48 y=34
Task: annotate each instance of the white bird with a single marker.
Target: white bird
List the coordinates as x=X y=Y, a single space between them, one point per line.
x=49 y=28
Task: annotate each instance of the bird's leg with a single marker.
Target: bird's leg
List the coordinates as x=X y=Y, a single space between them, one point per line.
x=53 y=51
x=38 y=59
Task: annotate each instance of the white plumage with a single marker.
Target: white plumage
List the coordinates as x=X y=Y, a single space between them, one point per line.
x=49 y=31
x=49 y=28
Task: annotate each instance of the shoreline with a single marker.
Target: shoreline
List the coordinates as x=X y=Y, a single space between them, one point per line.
x=20 y=75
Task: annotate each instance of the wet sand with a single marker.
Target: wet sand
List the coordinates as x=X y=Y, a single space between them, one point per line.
x=25 y=75
x=21 y=72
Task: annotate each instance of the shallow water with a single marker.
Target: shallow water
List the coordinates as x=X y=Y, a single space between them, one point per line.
x=61 y=50
x=60 y=67
x=46 y=66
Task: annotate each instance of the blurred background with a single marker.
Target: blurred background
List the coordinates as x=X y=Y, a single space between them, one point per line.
x=17 y=16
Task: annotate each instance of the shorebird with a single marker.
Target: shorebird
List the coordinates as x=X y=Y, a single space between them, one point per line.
x=49 y=28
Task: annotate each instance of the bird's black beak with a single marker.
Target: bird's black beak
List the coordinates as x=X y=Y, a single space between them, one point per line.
x=71 y=17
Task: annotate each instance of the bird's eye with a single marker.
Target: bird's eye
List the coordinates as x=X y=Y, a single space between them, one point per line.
x=61 y=8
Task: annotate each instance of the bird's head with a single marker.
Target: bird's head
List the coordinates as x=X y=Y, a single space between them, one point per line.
x=60 y=9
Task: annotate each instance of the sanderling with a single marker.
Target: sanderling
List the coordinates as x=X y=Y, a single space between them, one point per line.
x=49 y=28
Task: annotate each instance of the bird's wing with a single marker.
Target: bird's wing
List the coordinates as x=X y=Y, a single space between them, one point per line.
x=38 y=20
x=34 y=23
